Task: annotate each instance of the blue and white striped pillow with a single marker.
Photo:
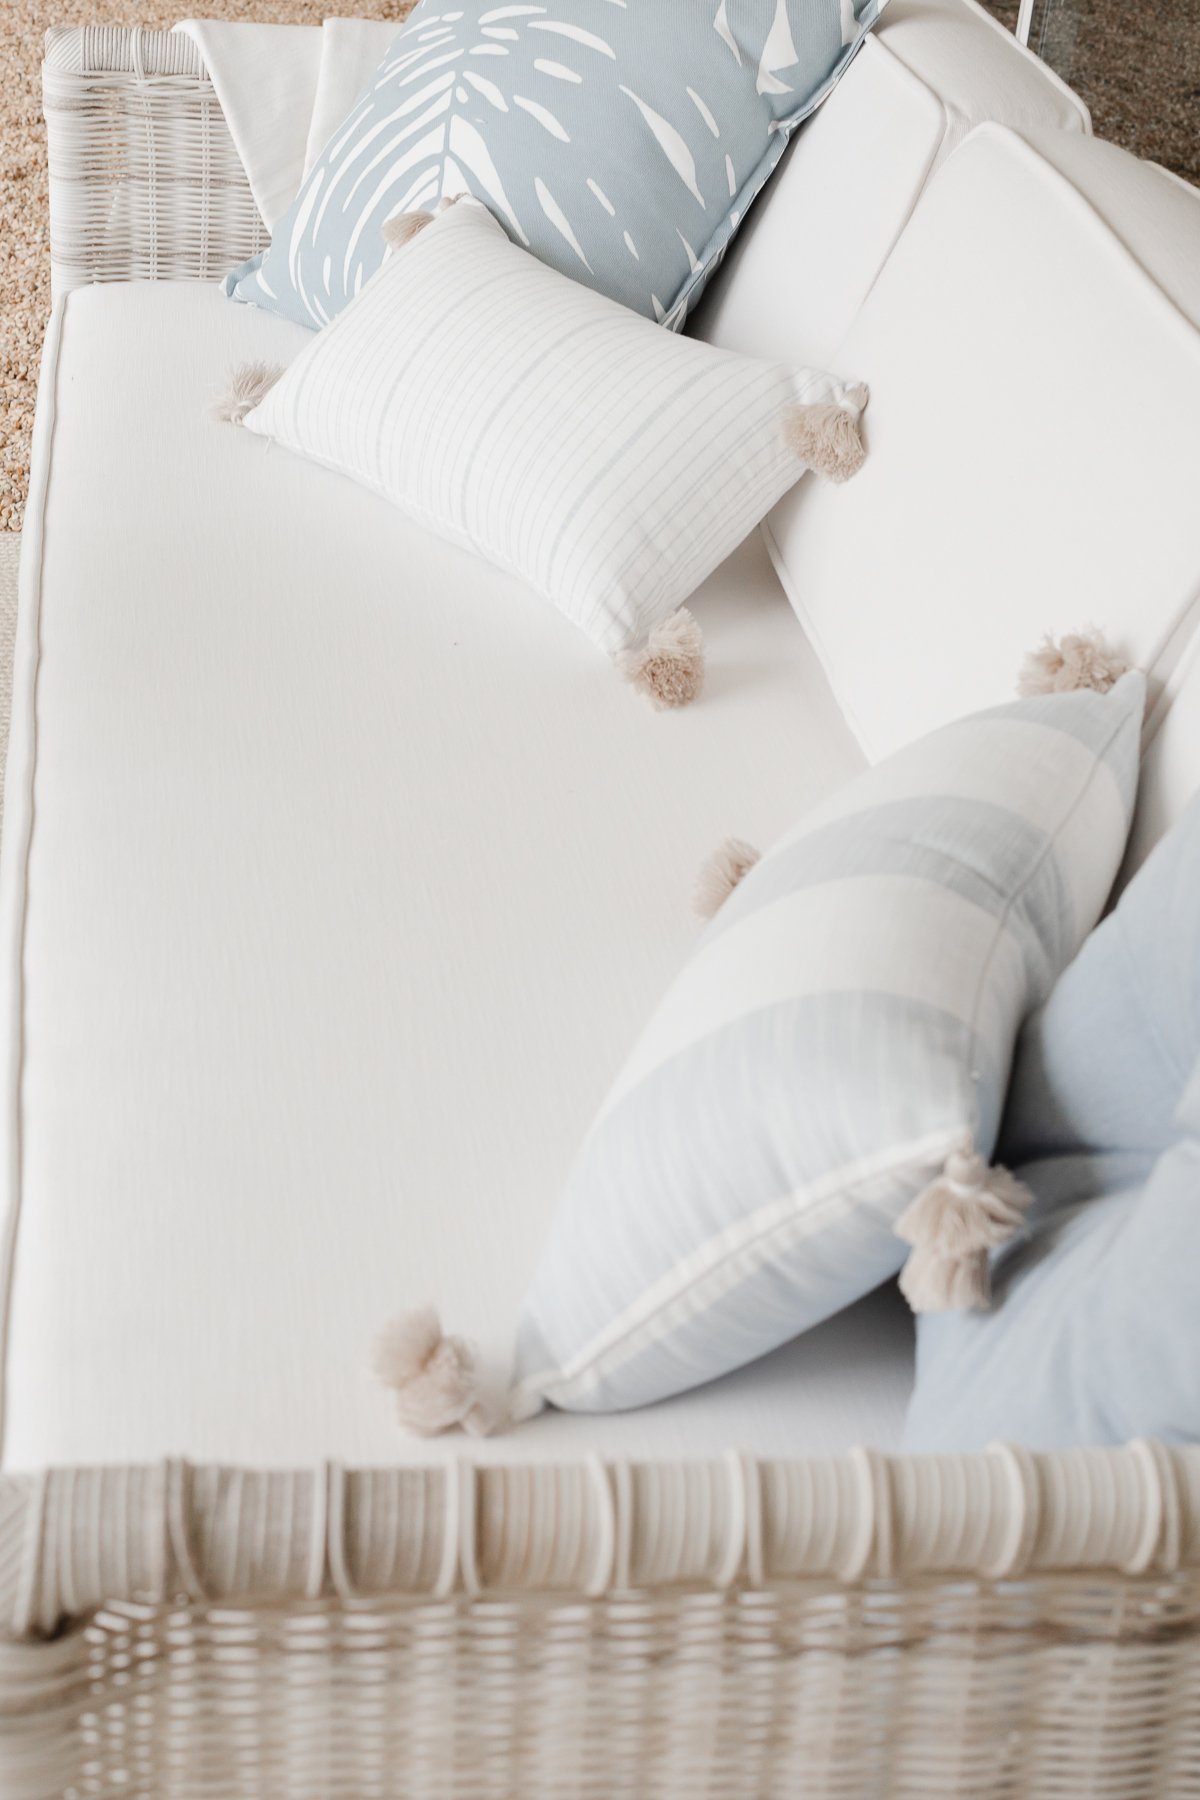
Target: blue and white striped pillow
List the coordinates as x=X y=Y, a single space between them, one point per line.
x=846 y=1025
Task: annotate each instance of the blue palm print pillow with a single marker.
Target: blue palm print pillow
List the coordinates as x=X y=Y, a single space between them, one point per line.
x=621 y=141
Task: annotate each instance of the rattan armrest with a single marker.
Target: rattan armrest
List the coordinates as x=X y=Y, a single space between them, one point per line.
x=145 y=182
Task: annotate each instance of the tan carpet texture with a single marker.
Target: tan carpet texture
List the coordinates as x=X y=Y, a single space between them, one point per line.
x=1138 y=69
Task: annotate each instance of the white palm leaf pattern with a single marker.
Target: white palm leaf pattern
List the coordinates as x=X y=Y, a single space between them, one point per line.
x=612 y=141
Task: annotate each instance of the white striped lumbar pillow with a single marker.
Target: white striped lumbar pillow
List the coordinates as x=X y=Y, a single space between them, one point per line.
x=611 y=464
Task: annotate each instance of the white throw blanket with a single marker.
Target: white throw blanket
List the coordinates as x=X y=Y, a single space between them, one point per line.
x=284 y=90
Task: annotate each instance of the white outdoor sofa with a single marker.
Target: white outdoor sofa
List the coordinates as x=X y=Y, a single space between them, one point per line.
x=324 y=923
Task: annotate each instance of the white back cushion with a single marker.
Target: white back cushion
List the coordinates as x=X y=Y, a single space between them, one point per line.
x=814 y=242
x=1047 y=478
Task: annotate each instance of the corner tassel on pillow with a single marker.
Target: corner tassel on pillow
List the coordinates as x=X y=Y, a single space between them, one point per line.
x=433 y=1376
x=718 y=877
x=968 y=1210
x=1081 y=659
x=403 y=227
x=932 y=1283
x=247 y=386
x=826 y=437
x=669 y=667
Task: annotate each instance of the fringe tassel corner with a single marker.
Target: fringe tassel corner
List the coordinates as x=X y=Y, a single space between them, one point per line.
x=434 y=1377
x=728 y=865
x=1078 y=661
x=952 y=1226
x=669 y=666
x=826 y=437
x=248 y=386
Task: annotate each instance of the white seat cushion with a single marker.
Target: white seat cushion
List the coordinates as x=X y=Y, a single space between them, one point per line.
x=1047 y=479
x=352 y=876
x=815 y=241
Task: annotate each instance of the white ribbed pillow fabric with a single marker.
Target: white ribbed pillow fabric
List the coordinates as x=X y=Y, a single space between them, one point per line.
x=845 y=1027
x=609 y=463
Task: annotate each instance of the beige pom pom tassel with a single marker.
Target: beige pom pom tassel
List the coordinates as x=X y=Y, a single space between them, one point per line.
x=1081 y=659
x=826 y=437
x=669 y=667
x=433 y=1376
x=247 y=386
x=728 y=864
x=403 y=227
x=968 y=1210
x=932 y=1283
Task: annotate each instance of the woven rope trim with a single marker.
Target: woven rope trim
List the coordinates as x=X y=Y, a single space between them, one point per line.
x=72 y=1538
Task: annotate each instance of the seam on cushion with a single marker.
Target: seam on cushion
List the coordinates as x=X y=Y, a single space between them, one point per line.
x=939 y=107
x=783 y=576
x=26 y=670
x=1031 y=57
x=949 y=116
x=995 y=128
x=1100 y=225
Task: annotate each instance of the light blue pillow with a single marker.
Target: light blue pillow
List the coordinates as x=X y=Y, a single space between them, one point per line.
x=1103 y=1065
x=620 y=143
x=845 y=1026
x=1094 y=1332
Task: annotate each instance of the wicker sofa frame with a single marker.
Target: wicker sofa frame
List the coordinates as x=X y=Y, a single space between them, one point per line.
x=1002 y=1624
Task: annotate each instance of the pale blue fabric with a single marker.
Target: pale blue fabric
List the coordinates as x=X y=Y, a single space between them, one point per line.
x=1104 y=1063
x=1094 y=1332
x=743 y=1186
x=621 y=141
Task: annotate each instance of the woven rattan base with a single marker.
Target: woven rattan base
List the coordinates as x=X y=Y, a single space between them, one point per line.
x=1060 y=1686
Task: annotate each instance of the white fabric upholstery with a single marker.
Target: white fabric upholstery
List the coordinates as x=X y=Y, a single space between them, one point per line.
x=338 y=877
x=1048 y=478
x=813 y=244
x=266 y=79
x=351 y=51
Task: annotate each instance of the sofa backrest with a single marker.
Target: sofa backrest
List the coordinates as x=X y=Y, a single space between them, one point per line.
x=817 y=238
x=1033 y=354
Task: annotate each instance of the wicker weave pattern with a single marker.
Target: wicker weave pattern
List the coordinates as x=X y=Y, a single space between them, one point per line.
x=1081 y=1686
x=599 y=1631
x=144 y=180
